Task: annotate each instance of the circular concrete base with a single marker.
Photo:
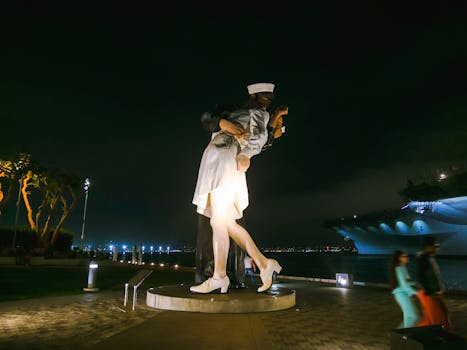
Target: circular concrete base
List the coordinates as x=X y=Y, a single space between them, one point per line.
x=91 y=289
x=180 y=298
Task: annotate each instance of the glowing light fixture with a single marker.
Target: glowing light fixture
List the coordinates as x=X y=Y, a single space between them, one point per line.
x=385 y=228
x=402 y=227
x=344 y=280
x=92 y=277
x=87 y=183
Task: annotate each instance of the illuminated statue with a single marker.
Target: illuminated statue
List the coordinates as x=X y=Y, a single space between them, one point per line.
x=221 y=191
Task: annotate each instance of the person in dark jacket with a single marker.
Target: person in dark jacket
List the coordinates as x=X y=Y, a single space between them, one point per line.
x=435 y=311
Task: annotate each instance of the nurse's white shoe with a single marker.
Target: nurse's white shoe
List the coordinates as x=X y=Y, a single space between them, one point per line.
x=212 y=284
x=266 y=274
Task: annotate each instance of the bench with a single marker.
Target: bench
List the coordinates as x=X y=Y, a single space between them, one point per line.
x=135 y=282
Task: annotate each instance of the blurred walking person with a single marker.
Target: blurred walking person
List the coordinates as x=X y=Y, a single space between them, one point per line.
x=435 y=311
x=403 y=289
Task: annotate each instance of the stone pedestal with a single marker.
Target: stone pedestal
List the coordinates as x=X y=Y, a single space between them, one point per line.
x=179 y=298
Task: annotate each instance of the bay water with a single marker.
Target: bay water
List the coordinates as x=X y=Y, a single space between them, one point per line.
x=365 y=268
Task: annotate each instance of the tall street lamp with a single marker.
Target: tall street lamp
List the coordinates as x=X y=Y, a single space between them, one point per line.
x=87 y=183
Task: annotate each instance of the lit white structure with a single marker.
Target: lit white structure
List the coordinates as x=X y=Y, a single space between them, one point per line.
x=404 y=229
x=92 y=275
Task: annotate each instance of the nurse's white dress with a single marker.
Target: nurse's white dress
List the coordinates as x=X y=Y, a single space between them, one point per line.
x=218 y=168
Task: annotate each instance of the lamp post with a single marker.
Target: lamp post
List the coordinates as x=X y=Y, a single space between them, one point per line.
x=87 y=183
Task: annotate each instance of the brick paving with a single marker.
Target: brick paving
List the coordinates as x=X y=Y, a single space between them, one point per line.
x=70 y=322
x=324 y=318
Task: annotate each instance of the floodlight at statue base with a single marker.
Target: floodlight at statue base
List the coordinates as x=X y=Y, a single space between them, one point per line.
x=179 y=298
x=344 y=280
x=91 y=289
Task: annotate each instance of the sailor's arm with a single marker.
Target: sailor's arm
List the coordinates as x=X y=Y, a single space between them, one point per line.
x=214 y=123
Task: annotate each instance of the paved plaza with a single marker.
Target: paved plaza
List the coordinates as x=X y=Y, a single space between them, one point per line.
x=324 y=318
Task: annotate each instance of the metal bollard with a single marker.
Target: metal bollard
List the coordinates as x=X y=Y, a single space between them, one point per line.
x=92 y=277
x=133 y=255
x=140 y=255
x=114 y=253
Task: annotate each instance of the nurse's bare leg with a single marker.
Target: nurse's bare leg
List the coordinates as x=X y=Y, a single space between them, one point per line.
x=221 y=201
x=267 y=266
x=241 y=236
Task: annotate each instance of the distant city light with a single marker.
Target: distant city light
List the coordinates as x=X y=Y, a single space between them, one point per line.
x=442 y=176
x=160 y=248
x=354 y=216
x=161 y=265
x=124 y=247
x=111 y=247
x=143 y=247
x=151 y=248
x=176 y=266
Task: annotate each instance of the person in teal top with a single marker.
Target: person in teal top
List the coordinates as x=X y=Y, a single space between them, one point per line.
x=403 y=289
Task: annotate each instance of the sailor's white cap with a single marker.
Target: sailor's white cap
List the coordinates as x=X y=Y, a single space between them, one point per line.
x=260 y=87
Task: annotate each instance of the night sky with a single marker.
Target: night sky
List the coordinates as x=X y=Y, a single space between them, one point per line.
x=114 y=91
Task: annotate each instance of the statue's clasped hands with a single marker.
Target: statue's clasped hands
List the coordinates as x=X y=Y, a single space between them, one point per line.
x=243 y=162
